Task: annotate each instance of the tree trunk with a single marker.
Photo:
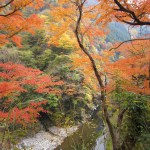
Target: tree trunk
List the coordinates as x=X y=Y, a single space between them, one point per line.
x=97 y=75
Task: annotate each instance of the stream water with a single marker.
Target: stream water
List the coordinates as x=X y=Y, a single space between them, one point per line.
x=88 y=137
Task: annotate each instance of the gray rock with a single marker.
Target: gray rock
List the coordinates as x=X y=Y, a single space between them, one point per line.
x=45 y=140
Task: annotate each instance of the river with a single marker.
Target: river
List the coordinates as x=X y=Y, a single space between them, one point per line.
x=89 y=136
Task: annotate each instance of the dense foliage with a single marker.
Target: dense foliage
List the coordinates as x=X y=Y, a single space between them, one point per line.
x=59 y=62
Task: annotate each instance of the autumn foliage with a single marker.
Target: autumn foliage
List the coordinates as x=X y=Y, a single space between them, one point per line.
x=129 y=73
x=132 y=66
x=78 y=25
x=12 y=20
x=17 y=80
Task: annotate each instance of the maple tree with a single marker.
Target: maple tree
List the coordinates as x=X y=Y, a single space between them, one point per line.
x=130 y=74
x=135 y=12
x=78 y=11
x=123 y=83
x=16 y=82
x=12 y=20
x=134 y=66
x=81 y=19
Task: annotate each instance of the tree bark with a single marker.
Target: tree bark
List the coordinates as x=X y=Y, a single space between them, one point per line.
x=98 y=77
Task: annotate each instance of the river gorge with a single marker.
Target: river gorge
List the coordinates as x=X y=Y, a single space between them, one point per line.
x=86 y=136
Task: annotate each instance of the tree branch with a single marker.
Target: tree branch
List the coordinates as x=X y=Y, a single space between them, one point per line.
x=5 y=5
x=15 y=9
x=136 y=20
x=127 y=42
x=120 y=117
x=10 y=13
x=96 y=72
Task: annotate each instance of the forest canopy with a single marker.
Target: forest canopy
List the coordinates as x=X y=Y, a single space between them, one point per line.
x=62 y=60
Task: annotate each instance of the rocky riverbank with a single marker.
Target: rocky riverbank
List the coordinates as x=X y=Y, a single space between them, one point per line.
x=47 y=140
